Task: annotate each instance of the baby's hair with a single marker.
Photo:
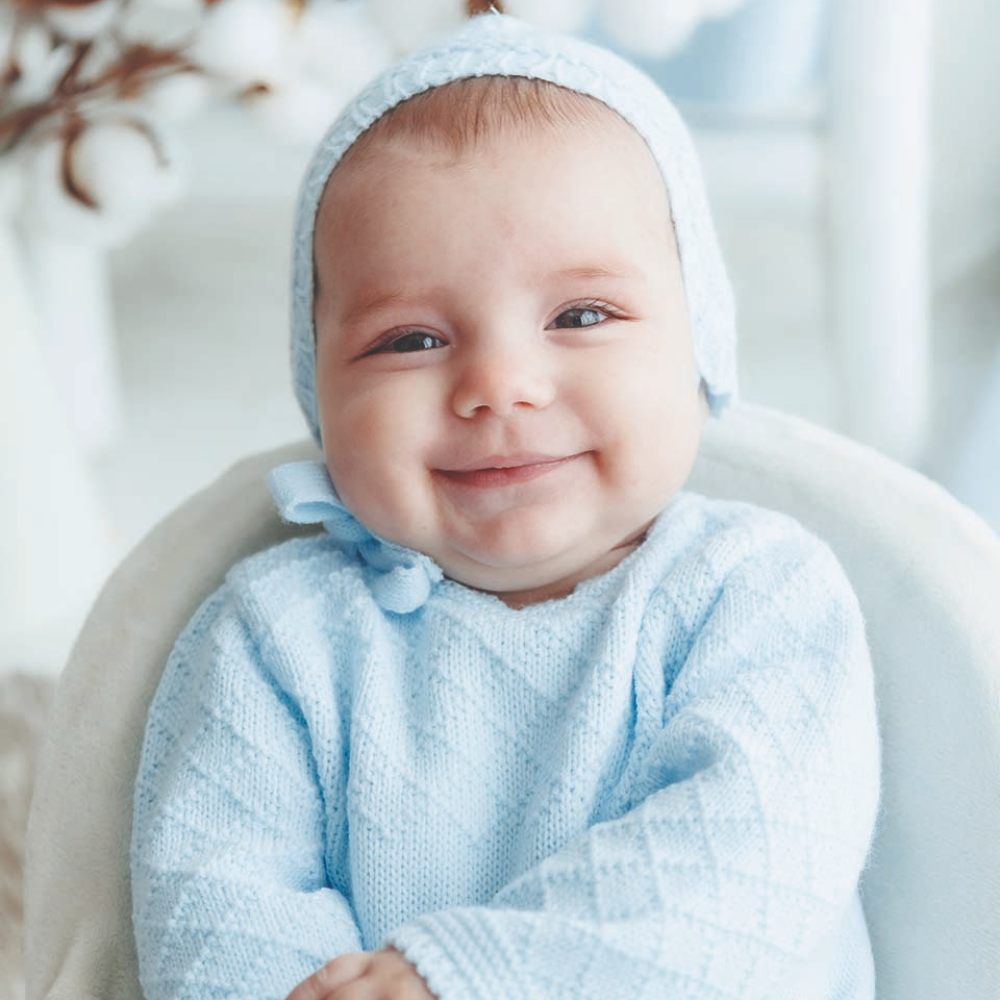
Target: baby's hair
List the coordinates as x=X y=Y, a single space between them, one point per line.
x=459 y=116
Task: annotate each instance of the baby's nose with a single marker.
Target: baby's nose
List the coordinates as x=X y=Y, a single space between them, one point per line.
x=501 y=381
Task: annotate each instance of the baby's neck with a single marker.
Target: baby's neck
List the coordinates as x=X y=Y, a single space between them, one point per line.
x=518 y=599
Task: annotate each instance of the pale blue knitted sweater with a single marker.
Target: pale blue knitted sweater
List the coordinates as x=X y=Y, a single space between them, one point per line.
x=663 y=785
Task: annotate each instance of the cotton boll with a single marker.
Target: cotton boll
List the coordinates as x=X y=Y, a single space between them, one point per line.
x=557 y=15
x=653 y=28
x=184 y=7
x=119 y=166
x=176 y=97
x=340 y=45
x=113 y=163
x=411 y=24
x=79 y=22
x=41 y=65
x=163 y=23
x=299 y=112
x=33 y=44
x=246 y=40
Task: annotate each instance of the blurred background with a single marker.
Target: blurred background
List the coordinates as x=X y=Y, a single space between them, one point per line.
x=150 y=153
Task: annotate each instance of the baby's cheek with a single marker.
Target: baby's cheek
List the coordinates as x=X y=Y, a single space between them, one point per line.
x=374 y=456
x=644 y=385
x=357 y=442
x=652 y=407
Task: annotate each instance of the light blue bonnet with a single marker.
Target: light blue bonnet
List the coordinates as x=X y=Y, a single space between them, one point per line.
x=496 y=44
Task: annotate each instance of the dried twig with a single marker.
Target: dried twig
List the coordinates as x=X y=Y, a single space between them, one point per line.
x=11 y=72
x=136 y=68
x=71 y=135
x=474 y=7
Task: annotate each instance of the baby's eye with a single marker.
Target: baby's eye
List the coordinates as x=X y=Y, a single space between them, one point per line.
x=409 y=343
x=580 y=316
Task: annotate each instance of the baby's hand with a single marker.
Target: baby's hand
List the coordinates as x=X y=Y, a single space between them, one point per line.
x=378 y=975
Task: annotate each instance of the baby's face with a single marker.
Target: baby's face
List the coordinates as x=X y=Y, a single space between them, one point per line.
x=504 y=361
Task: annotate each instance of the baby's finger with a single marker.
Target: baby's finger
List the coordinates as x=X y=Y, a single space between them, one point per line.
x=337 y=972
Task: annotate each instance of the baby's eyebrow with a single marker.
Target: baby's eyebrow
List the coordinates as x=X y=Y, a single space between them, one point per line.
x=376 y=303
x=596 y=271
x=383 y=300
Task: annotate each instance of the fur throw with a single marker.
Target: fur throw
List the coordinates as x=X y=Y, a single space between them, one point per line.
x=25 y=699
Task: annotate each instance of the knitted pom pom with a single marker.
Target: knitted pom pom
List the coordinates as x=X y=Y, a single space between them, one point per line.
x=402 y=589
x=654 y=28
x=411 y=25
x=556 y=15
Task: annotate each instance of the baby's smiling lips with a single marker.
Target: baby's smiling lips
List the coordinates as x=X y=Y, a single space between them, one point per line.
x=505 y=470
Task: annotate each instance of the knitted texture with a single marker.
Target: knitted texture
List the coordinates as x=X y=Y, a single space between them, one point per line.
x=664 y=784
x=496 y=44
x=400 y=578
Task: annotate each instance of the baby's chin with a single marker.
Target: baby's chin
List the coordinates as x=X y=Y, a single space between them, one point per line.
x=529 y=580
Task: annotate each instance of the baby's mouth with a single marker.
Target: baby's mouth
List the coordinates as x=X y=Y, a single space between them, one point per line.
x=506 y=470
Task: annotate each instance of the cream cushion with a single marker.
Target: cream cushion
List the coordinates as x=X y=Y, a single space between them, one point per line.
x=926 y=570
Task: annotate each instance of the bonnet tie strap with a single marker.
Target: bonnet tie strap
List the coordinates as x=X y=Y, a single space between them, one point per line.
x=401 y=579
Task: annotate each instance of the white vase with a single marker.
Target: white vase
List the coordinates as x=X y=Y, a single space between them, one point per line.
x=72 y=298
x=54 y=548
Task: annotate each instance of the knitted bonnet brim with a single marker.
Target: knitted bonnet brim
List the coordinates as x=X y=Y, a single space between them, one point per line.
x=499 y=45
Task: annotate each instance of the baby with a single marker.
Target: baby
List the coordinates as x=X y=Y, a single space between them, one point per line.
x=528 y=719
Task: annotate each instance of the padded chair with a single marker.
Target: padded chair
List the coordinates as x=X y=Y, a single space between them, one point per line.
x=926 y=570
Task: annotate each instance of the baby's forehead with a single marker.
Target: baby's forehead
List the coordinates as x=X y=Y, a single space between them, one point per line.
x=482 y=121
x=595 y=203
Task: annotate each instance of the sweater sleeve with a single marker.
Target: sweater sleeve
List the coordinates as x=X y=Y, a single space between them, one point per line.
x=743 y=839
x=230 y=897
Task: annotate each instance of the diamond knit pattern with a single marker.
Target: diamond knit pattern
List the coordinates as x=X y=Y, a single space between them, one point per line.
x=662 y=785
